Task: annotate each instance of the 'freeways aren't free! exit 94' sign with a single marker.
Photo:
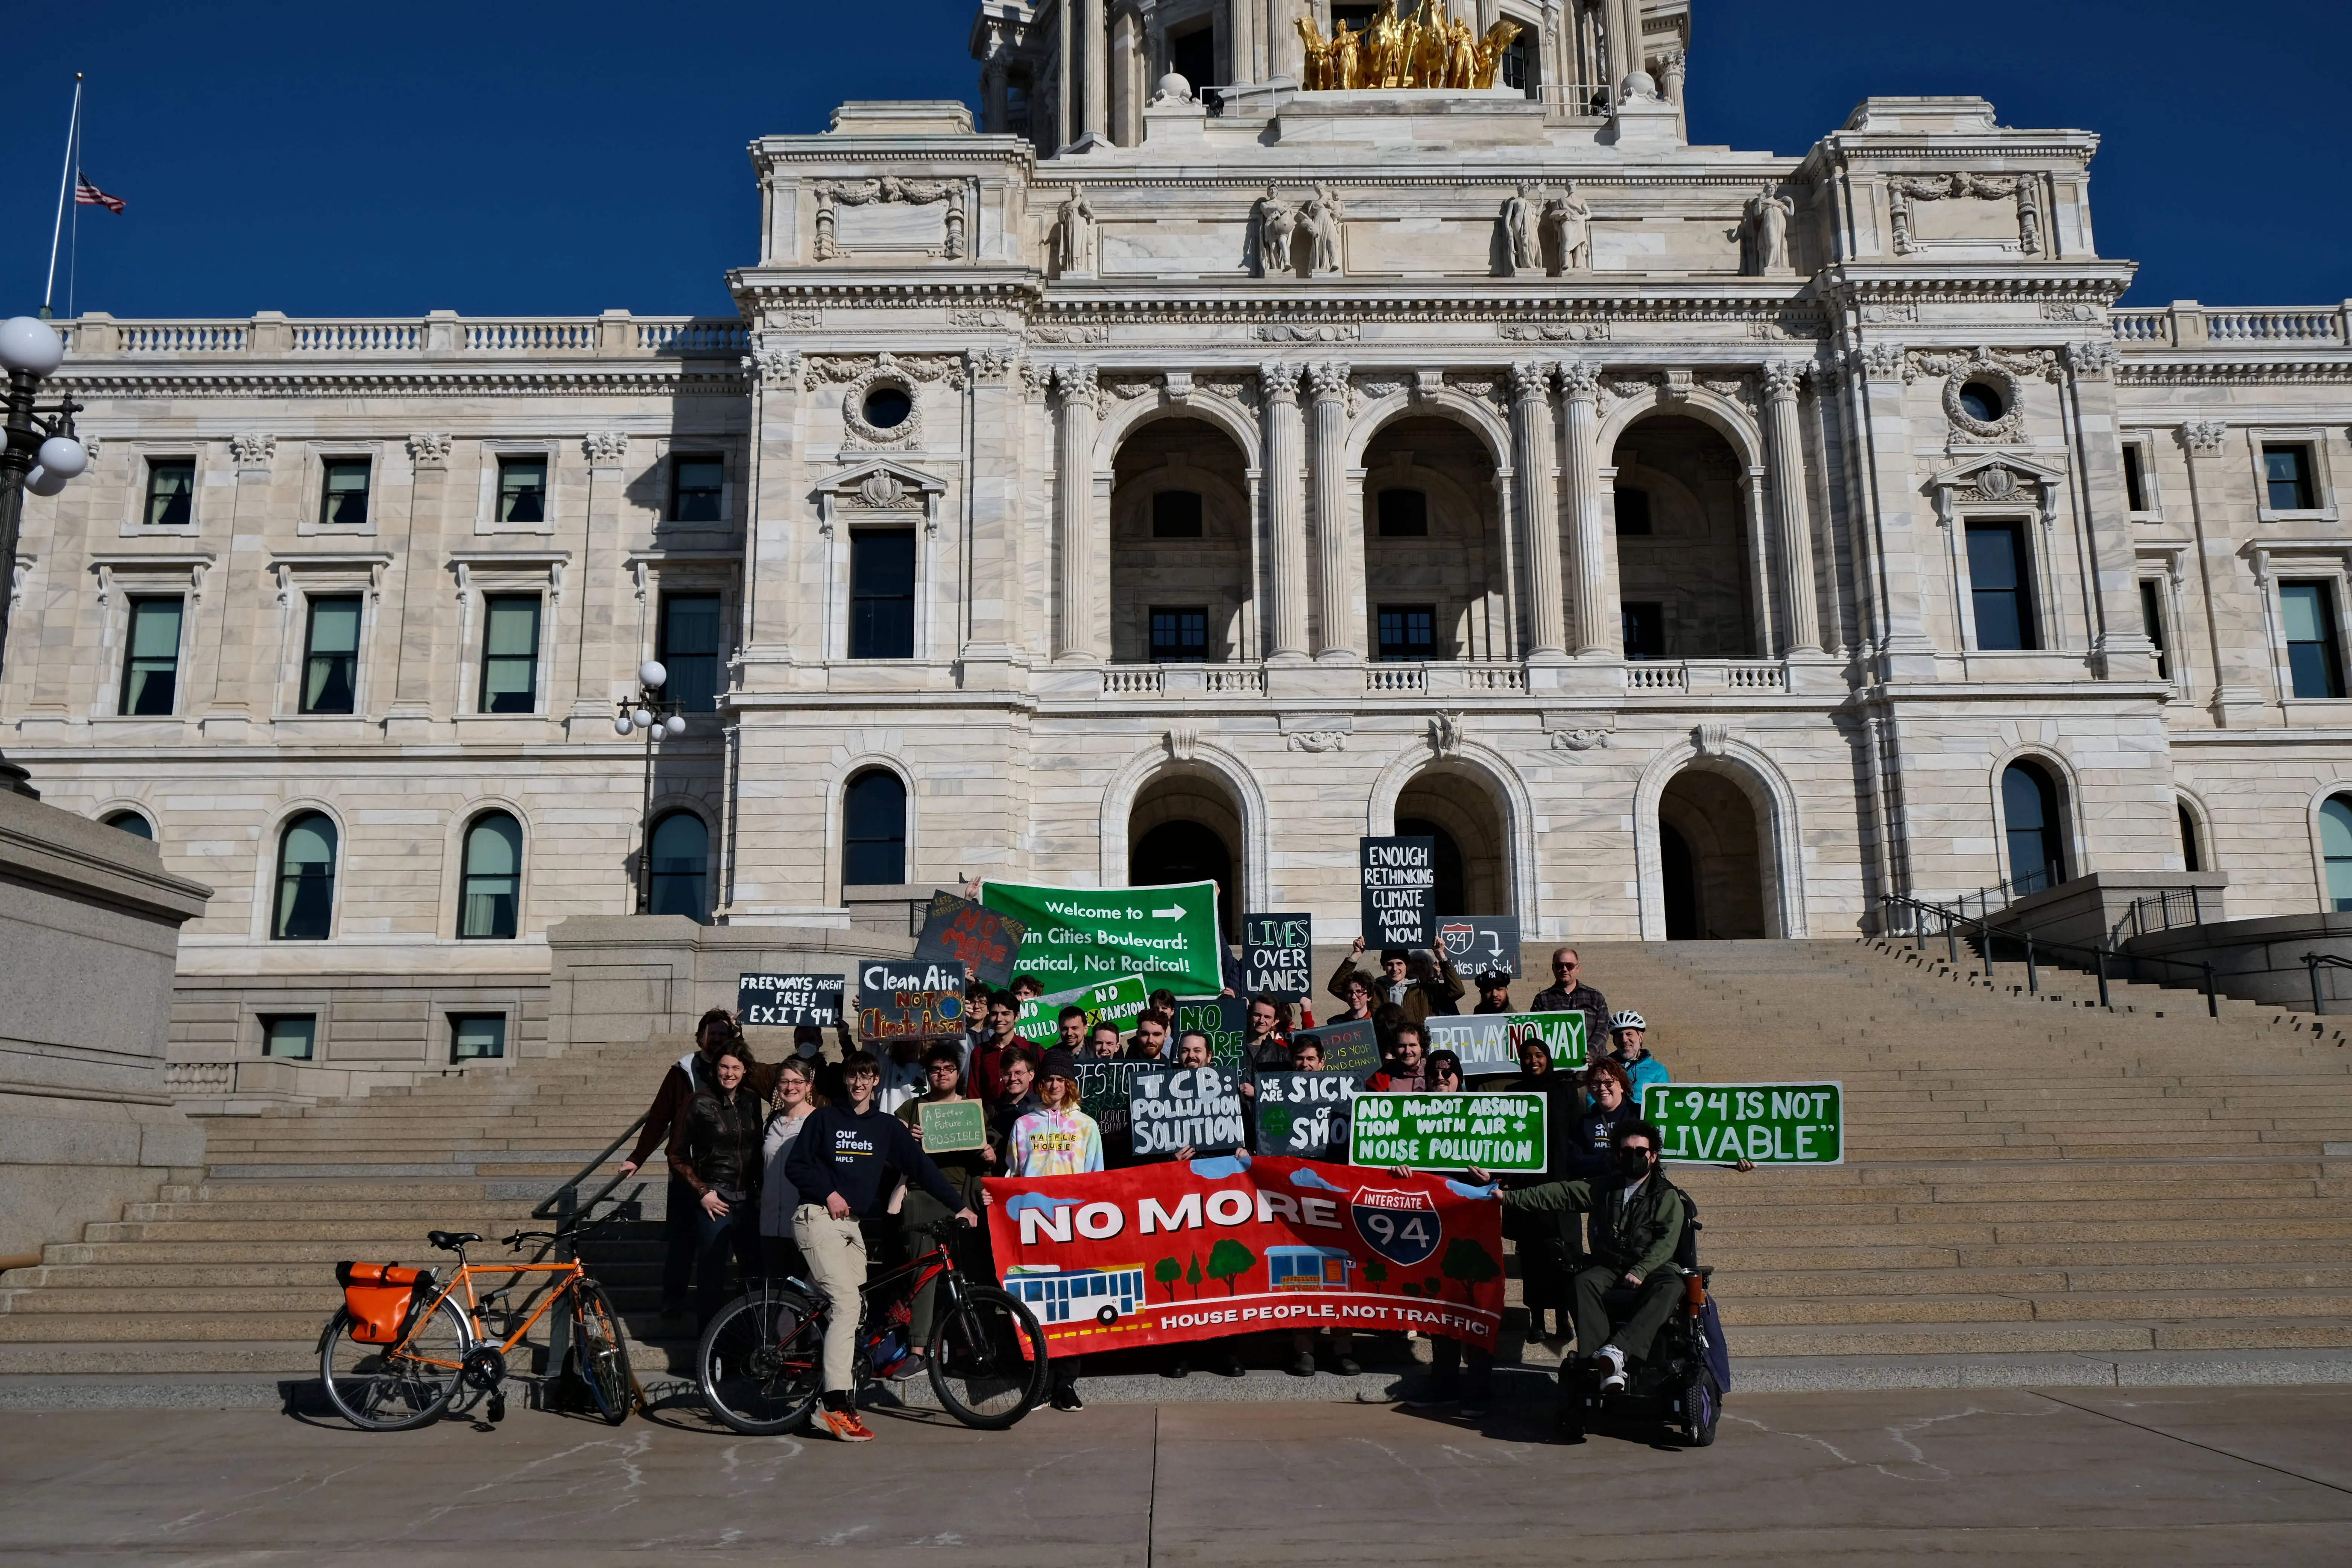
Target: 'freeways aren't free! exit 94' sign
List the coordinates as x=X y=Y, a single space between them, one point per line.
x=1075 y=937
x=1768 y=1124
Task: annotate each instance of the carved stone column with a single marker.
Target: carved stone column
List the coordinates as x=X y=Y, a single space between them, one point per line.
x=1599 y=634
x=1337 y=575
x=1627 y=15
x=598 y=637
x=1534 y=456
x=1126 y=79
x=1097 y=43
x=1242 y=43
x=994 y=109
x=423 y=578
x=1080 y=591
x=1286 y=510
x=1672 y=67
x=1787 y=458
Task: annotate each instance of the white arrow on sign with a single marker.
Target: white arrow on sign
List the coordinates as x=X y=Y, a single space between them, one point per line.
x=1168 y=914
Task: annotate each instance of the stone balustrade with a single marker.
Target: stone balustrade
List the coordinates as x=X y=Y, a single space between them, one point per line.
x=270 y=336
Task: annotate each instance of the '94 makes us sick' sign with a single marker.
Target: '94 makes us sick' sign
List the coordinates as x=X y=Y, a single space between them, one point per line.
x=1768 y=1124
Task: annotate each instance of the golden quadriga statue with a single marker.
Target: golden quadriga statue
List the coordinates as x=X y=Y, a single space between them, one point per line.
x=1425 y=51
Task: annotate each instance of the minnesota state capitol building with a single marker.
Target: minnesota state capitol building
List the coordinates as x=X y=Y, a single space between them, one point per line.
x=1154 y=479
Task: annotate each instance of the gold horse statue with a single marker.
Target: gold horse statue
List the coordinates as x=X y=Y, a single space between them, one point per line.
x=1426 y=51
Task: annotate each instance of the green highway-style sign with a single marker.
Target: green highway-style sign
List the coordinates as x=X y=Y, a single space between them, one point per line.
x=1449 y=1131
x=1768 y=1124
x=1120 y=1000
x=1075 y=937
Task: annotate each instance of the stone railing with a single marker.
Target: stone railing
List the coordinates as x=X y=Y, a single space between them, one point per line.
x=199 y=1077
x=1396 y=677
x=1144 y=680
x=1706 y=675
x=614 y=334
x=1184 y=680
x=2190 y=325
x=1645 y=676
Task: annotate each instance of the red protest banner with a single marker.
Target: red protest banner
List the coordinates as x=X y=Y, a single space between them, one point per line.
x=1233 y=1244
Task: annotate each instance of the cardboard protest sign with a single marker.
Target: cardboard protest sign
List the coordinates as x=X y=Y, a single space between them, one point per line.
x=1118 y=1001
x=1306 y=1114
x=1400 y=888
x=949 y=1125
x=1137 y=1257
x=789 y=1000
x=1450 y=1131
x=1489 y=1042
x=1169 y=1108
x=1103 y=1091
x=1076 y=937
x=959 y=932
x=1478 y=945
x=1277 y=956
x=1224 y=1019
x=1353 y=1045
x=1770 y=1123
x=898 y=996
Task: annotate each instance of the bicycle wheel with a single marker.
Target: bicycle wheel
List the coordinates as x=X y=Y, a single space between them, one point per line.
x=988 y=1359
x=761 y=1361
x=603 y=1352
x=392 y=1388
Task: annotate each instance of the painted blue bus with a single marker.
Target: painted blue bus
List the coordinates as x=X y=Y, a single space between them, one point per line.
x=1057 y=1295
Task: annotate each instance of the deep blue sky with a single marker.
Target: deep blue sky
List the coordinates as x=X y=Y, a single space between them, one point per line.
x=363 y=159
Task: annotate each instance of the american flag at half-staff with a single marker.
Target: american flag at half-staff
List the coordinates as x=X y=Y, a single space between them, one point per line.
x=89 y=196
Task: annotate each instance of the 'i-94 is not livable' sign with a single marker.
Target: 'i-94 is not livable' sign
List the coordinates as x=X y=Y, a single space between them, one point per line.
x=1767 y=1123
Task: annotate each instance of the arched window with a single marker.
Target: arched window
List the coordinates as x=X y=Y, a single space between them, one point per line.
x=681 y=854
x=306 y=879
x=2336 y=847
x=2192 y=860
x=133 y=823
x=2029 y=802
x=492 y=892
x=874 y=837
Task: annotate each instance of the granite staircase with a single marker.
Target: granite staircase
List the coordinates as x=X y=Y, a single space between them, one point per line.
x=2027 y=1176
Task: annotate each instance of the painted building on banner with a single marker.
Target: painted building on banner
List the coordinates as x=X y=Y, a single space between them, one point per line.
x=1229 y=441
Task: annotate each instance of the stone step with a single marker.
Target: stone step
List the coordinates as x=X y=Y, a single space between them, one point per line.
x=2027 y=1339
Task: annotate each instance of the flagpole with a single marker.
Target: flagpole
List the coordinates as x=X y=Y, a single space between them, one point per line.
x=65 y=187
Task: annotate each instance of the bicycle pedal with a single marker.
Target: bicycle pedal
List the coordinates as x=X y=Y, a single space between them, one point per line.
x=498 y=1407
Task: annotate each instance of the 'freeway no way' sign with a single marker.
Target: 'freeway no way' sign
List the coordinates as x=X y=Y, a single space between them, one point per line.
x=1075 y=936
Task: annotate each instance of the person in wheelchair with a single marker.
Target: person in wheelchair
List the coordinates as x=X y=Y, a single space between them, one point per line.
x=1636 y=1226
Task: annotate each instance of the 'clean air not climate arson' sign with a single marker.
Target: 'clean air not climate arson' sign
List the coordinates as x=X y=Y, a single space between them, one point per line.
x=1071 y=936
x=1768 y=1124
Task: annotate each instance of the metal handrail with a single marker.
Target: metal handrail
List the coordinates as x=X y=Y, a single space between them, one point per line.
x=563 y=1206
x=2036 y=948
x=2312 y=964
x=548 y=1205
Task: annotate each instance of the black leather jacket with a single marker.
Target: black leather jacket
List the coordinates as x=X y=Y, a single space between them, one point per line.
x=716 y=1146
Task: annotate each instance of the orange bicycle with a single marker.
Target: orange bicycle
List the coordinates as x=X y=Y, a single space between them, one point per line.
x=402 y=1346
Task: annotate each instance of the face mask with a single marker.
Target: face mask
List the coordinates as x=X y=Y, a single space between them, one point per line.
x=1633 y=1164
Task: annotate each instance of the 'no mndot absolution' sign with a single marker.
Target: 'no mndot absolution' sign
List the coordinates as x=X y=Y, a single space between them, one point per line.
x=1768 y=1124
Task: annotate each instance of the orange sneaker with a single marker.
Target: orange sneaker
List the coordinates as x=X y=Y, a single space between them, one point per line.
x=846 y=1426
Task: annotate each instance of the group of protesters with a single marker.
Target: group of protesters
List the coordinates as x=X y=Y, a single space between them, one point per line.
x=806 y=1167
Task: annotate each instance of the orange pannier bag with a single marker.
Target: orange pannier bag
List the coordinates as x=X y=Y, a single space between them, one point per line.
x=381 y=1298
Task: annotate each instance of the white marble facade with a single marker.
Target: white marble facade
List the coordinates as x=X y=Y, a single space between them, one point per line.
x=1813 y=380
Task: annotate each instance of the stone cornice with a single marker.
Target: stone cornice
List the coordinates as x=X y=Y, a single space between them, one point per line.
x=2168 y=367
x=2096 y=282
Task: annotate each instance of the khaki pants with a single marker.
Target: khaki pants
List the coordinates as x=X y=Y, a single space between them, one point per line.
x=836 y=1251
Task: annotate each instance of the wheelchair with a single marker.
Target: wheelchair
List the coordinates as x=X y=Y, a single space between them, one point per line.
x=1680 y=1384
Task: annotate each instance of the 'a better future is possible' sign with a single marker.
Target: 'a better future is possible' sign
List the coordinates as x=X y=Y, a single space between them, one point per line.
x=1075 y=936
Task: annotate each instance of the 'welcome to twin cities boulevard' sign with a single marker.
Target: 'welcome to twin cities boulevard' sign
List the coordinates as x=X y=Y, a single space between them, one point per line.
x=1074 y=937
x=1400 y=884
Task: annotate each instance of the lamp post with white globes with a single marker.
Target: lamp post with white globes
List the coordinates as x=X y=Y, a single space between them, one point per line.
x=649 y=715
x=41 y=455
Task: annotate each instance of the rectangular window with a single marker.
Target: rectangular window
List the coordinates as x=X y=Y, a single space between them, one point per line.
x=696 y=485
x=1633 y=514
x=882 y=594
x=1176 y=514
x=170 y=493
x=2313 y=659
x=522 y=489
x=2135 y=486
x=2286 y=474
x=689 y=650
x=1407 y=631
x=344 y=503
x=510 y=653
x=477 y=1037
x=1404 y=514
x=150 y=668
x=1179 y=636
x=293 y=1037
x=331 y=656
x=1645 y=630
x=2151 y=612
x=1999 y=590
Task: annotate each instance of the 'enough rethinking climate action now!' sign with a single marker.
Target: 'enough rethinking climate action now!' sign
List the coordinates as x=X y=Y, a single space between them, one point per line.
x=1167 y=1253
x=1074 y=937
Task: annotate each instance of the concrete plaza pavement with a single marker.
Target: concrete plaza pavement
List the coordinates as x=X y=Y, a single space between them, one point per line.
x=2184 y=1475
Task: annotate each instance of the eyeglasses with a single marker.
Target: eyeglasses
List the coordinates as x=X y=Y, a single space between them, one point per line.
x=1443 y=1072
x=1562 y=968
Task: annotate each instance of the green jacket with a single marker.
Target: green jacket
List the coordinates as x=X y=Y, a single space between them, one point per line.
x=1639 y=1238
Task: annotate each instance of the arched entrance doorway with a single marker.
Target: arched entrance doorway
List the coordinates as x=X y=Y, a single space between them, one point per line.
x=1685 y=582
x=1185 y=827
x=1180 y=547
x=1710 y=855
x=1433 y=581
x=1459 y=810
